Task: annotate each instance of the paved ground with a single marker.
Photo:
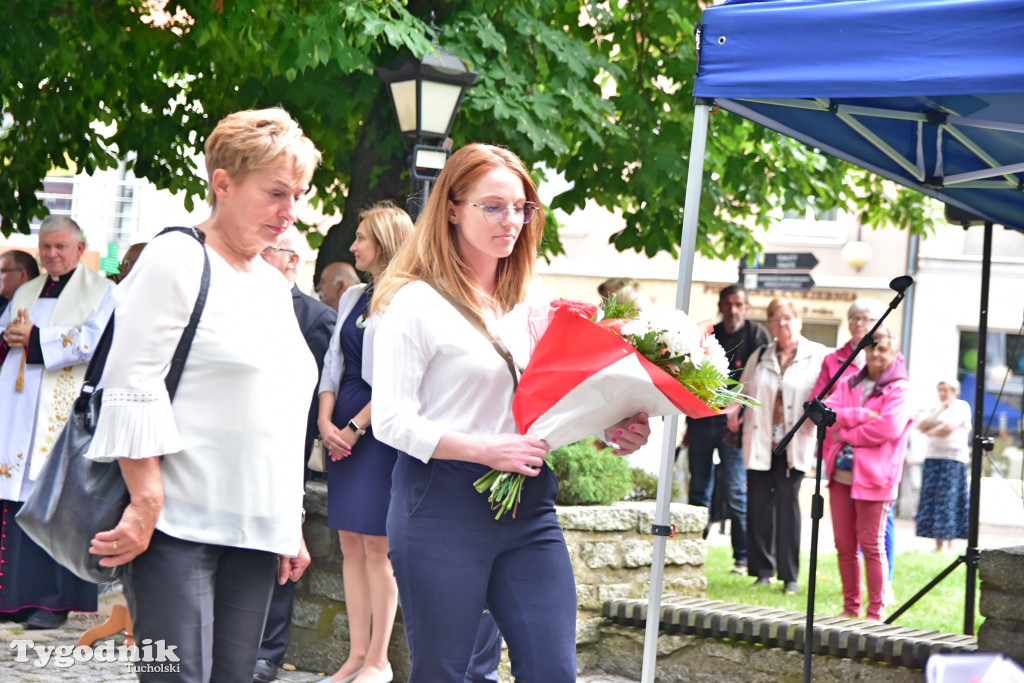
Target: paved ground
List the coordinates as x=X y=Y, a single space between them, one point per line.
x=26 y=671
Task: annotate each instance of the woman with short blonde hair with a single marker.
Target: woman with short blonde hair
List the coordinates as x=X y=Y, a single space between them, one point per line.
x=215 y=479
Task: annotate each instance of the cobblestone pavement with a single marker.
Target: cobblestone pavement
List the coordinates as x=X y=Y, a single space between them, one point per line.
x=29 y=671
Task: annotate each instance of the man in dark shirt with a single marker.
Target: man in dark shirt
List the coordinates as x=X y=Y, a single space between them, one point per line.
x=740 y=338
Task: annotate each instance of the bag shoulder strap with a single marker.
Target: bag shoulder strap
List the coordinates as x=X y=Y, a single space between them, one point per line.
x=99 y=357
x=501 y=349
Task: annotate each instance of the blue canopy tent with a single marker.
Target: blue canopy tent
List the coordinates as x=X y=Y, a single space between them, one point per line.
x=927 y=93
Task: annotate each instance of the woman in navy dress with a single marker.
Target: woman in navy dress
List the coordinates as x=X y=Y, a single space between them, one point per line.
x=359 y=469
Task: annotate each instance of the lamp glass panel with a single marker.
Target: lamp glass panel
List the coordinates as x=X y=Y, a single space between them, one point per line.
x=439 y=103
x=403 y=93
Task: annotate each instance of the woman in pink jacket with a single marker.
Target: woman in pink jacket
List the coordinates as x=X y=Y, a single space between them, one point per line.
x=863 y=463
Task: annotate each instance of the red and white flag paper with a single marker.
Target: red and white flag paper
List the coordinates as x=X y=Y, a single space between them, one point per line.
x=581 y=379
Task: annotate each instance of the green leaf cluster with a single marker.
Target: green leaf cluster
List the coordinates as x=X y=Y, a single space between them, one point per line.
x=598 y=93
x=589 y=474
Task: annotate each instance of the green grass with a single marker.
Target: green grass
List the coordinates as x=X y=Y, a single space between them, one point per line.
x=941 y=609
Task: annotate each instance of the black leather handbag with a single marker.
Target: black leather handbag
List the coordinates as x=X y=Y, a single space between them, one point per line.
x=75 y=498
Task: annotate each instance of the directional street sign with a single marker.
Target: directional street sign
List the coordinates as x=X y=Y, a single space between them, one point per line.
x=790 y=261
x=785 y=281
x=787 y=271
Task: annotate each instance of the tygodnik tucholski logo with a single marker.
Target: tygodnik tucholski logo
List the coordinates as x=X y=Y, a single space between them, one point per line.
x=152 y=656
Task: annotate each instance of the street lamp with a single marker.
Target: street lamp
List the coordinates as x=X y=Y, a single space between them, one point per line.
x=425 y=95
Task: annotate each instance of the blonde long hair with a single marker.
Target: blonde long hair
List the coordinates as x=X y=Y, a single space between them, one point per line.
x=431 y=254
x=389 y=226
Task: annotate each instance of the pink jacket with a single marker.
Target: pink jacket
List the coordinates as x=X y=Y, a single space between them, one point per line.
x=831 y=364
x=879 y=443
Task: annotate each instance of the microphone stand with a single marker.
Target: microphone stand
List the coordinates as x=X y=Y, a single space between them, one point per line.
x=824 y=417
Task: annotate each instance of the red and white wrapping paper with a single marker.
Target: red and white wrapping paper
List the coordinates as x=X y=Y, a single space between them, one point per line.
x=581 y=379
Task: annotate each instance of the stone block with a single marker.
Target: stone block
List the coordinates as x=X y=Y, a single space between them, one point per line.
x=321 y=541
x=600 y=554
x=587 y=596
x=637 y=553
x=1007 y=637
x=686 y=551
x=305 y=614
x=1002 y=568
x=326 y=585
x=1001 y=604
x=315 y=500
x=618 y=591
x=616 y=517
x=687 y=518
x=695 y=587
x=588 y=629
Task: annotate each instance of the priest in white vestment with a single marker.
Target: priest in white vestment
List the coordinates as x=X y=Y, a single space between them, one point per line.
x=49 y=330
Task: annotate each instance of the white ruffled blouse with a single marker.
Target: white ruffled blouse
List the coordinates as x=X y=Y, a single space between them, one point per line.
x=233 y=437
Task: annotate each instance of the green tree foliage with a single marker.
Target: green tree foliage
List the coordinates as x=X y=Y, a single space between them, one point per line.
x=596 y=92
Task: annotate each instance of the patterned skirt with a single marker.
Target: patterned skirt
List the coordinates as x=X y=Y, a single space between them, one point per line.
x=942 y=510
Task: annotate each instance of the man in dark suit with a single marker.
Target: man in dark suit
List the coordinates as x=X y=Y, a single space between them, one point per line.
x=316 y=320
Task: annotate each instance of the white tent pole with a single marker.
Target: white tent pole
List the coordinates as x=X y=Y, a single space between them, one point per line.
x=687 y=244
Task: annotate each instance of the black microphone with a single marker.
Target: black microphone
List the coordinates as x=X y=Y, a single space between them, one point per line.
x=901 y=283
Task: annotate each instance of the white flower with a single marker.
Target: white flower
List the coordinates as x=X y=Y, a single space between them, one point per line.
x=636 y=327
x=714 y=353
x=679 y=333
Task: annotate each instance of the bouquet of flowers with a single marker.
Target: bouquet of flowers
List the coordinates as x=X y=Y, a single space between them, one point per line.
x=593 y=367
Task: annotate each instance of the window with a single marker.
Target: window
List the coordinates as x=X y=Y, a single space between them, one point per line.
x=56 y=197
x=1004 y=381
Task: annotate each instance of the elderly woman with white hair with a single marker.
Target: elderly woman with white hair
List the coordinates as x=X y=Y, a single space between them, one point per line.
x=860 y=317
x=942 y=510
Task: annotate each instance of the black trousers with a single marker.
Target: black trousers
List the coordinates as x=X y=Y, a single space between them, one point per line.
x=773 y=521
x=209 y=602
x=278 y=630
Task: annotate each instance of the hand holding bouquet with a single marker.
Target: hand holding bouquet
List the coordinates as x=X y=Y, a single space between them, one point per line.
x=593 y=368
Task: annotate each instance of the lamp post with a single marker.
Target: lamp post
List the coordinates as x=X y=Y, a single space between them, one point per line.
x=425 y=95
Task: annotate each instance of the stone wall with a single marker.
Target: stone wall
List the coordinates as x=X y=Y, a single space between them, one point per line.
x=1002 y=602
x=610 y=548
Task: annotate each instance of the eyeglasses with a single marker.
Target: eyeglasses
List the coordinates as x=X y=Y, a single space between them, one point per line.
x=495 y=212
x=862 y=320
x=781 y=320
x=273 y=248
x=10 y=270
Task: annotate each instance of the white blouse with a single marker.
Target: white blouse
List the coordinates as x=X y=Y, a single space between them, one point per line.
x=434 y=372
x=233 y=438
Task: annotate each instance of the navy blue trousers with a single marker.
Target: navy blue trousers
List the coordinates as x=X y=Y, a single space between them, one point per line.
x=451 y=559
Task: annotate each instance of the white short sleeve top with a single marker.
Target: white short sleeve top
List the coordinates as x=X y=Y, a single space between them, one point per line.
x=232 y=440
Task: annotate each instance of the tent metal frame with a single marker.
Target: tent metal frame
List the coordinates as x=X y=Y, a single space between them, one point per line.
x=688 y=239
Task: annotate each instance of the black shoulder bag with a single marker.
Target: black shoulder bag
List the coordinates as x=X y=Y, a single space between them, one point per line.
x=75 y=498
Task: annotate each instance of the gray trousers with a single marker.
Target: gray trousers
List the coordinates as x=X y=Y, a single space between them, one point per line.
x=208 y=602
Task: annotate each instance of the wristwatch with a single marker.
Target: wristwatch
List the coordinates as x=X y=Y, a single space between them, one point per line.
x=356 y=428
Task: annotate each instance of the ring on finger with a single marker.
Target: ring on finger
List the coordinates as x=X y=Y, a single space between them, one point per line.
x=115 y=544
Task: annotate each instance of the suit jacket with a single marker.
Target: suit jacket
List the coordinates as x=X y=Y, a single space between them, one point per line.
x=316 y=320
